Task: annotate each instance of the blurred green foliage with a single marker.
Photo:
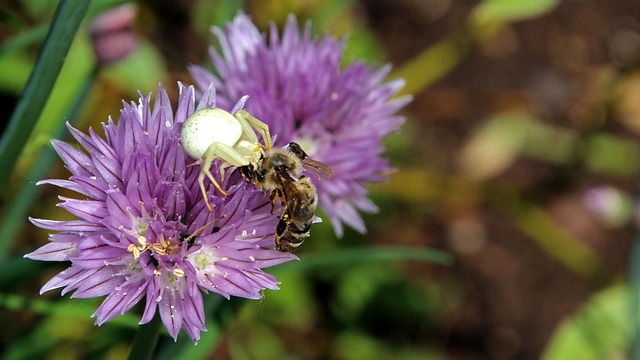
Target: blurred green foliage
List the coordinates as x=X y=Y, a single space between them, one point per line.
x=598 y=330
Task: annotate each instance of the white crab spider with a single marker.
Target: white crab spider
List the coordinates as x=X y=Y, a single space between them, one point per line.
x=213 y=133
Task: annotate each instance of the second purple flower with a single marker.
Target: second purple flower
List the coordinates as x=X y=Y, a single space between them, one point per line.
x=297 y=86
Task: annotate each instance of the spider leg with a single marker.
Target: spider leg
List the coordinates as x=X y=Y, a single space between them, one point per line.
x=207 y=160
x=228 y=155
x=194 y=163
x=250 y=122
x=222 y=169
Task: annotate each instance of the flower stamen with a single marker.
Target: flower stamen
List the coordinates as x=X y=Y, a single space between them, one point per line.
x=137 y=250
x=178 y=272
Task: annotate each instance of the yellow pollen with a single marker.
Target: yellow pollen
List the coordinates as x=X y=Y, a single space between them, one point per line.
x=133 y=250
x=178 y=272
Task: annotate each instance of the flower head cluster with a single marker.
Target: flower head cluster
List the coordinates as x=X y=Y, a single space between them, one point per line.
x=143 y=230
x=297 y=86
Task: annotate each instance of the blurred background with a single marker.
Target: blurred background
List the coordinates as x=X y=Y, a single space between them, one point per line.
x=519 y=157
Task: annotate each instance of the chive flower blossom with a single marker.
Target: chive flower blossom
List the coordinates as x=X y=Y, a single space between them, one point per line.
x=297 y=86
x=143 y=231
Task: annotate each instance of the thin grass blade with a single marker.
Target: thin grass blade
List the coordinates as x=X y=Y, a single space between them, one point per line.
x=66 y=21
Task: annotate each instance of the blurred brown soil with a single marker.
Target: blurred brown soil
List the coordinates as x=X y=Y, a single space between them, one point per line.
x=515 y=293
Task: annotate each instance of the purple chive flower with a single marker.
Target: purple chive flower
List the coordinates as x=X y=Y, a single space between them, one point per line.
x=297 y=86
x=143 y=229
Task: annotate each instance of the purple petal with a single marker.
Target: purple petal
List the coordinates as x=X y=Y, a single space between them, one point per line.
x=118 y=302
x=208 y=99
x=68 y=278
x=170 y=309
x=70 y=225
x=55 y=251
x=91 y=211
x=103 y=282
x=108 y=168
x=76 y=161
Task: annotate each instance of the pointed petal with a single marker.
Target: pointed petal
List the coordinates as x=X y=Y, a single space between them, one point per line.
x=103 y=282
x=70 y=225
x=55 y=251
x=170 y=309
x=75 y=160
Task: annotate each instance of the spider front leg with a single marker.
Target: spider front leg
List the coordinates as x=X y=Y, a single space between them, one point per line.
x=207 y=160
x=228 y=155
x=250 y=122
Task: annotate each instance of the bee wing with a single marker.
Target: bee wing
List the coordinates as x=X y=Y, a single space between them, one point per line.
x=292 y=190
x=317 y=169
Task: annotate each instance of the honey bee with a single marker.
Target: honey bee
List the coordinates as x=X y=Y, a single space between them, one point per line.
x=279 y=173
x=301 y=201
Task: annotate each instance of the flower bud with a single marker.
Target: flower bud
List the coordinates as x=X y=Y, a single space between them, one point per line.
x=112 y=34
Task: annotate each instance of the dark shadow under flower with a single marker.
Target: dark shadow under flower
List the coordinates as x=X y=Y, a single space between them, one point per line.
x=338 y=115
x=143 y=229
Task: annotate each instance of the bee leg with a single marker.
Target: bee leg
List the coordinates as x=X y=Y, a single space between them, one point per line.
x=247 y=172
x=275 y=193
x=273 y=203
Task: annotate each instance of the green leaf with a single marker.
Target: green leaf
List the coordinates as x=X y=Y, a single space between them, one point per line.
x=598 y=330
x=65 y=102
x=67 y=19
x=511 y=10
x=611 y=154
x=76 y=309
x=349 y=257
x=23 y=40
x=634 y=299
x=14 y=71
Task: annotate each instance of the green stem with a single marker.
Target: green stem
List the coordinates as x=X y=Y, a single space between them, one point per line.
x=24 y=39
x=146 y=340
x=219 y=313
x=349 y=257
x=66 y=21
x=13 y=221
x=433 y=63
x=634 y=300
x=549 y=236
